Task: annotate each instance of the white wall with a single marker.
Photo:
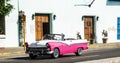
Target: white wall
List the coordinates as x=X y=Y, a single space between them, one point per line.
x=11 y=36
x=69 y=17
x=107 y=20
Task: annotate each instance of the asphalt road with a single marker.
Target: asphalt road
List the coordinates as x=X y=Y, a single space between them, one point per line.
x=90 y=54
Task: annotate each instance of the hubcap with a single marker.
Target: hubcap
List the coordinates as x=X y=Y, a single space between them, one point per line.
x=56 y=53
x=79 y=51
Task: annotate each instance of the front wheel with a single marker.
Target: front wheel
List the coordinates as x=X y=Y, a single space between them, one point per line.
x=32 y=56
x=56 y=53
x=79 y=52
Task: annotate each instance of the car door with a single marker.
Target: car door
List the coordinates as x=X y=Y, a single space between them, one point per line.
x=72 y=46
x=65 y=47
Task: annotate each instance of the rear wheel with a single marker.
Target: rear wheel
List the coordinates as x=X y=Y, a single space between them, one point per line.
x=79 y=52
x=56 y=53
x=32 y=56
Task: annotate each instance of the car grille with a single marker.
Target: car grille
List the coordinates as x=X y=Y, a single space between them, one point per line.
x=40 y=50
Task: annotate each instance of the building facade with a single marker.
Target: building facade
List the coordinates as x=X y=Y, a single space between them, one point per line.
x=94 y=19
x=9 y=28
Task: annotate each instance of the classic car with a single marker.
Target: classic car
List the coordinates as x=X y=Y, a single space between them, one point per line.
x=56 y=45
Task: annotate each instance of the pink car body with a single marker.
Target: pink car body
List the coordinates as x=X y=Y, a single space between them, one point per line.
x=57 y=46
x=67 y=48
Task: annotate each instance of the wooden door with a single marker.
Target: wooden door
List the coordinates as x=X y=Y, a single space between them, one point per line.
x=39 y=20
x=88 y=28
x=38 y=28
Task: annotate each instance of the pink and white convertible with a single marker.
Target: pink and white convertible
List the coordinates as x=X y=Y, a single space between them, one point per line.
x=56 y=45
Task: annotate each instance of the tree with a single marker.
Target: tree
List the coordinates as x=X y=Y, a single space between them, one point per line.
x=5 y=7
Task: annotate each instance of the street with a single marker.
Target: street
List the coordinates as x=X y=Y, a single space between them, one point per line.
x=90 y=54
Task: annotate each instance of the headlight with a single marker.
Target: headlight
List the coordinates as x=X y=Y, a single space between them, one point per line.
x=48 y=47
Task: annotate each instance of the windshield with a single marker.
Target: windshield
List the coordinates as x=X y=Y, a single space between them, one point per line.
x=52 y=37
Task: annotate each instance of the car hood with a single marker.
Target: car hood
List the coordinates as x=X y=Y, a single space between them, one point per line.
x=41 y=43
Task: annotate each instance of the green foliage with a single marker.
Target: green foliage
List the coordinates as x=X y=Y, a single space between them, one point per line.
x=5 y=7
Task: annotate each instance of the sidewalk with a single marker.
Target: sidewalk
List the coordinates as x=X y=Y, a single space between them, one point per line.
x=20 y=50
x=92 y=46
x=11 y=50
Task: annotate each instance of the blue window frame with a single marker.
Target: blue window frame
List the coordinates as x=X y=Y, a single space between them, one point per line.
x=118 y=28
